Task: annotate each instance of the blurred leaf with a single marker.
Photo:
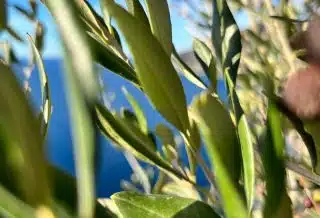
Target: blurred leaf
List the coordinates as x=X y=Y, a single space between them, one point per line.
x=8 y=53
x=165 y=134
x=23 y=150
x=207 y=61
x=109 y=60
x=13 y=207
x=24 y=12
x=14 y=34
x=39 y=36
x=82 y=86
x=312 y=127
x=45 y=92
x=130 y=139
x=247 y=151
x=287 y=19
x=186 y=70
x=136 y=205
x=34 y=6
x=106 y=16
x=3 y=14
x=155 y=70
x=226 y=38
x=277 y=203
x=136 y=9
x=142 y=120
x=223 y=149
x=159 y=17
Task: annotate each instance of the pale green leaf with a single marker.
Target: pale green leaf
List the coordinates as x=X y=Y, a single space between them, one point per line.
x=136 y=9
x=159 y=17
x=155 y=71
x=247 y=151
x=223 y=149
x=134 y=205
x=82 y=88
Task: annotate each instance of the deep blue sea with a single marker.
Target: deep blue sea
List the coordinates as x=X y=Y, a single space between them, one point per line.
x=114 y=166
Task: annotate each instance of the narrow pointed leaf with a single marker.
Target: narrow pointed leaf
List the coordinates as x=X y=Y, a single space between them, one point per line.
x=45 y=92
x=226 y=38
x=247 y=151
x=154 y=68
x=136 y=205
x=142 y=120
x=159 y=17
x=223 y=149
x=13 y=33
x=82 y=86
x=187 y=71
x=25 y=13
x=277 y=203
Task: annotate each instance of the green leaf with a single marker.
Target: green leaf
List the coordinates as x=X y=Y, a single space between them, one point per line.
x=223 y=149
x=131 y=139
x=142 y=120
x=8 y=53
x=154 y=68
x=45 y=92
x=207 y=61
x=166 y=135
x=14 y=34
x=159 y=17
x=21 y=144
x=277 y=203
x=226 y=38
x=136 y=9
x=3 y=14
x=247 y=151
x=134 y=205
x=82 y=88
x=186 y=70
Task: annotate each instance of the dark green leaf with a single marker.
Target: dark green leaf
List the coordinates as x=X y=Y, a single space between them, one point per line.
x=159 y=17
x=14 y=34
x=277 y=203
x=226 y=38
x=26 y=13
x=3 y=14
x=223 y=149
x=134 y=205
x=155 y=70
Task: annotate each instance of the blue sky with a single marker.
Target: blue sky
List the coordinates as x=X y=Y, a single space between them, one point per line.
x=181 y=37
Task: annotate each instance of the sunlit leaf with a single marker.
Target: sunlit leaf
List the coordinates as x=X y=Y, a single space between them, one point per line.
x=82 y=86
x=247 y=151
x=154 y=68
x=223 y=149
x=136 y=205
x=278 y=203
x=21 y=143
x=159 y=17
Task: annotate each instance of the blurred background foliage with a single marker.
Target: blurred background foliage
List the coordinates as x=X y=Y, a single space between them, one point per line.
x=263 y=157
